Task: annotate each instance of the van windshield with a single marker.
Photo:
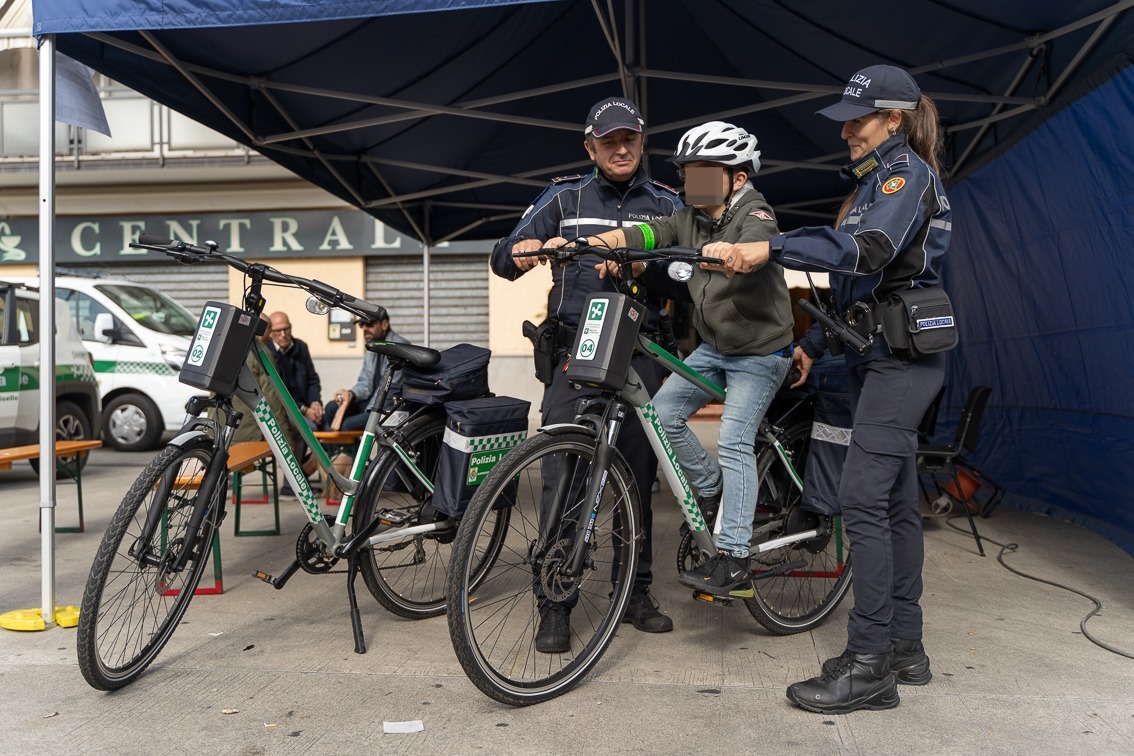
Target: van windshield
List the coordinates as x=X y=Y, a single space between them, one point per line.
x=152 y=309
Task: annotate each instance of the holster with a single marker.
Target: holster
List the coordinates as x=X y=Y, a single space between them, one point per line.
x=543 y=341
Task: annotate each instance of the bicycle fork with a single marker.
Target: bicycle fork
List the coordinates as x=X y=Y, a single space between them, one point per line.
x=596 y=486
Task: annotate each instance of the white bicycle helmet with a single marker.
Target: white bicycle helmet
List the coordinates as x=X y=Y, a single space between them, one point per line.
x=718 y=142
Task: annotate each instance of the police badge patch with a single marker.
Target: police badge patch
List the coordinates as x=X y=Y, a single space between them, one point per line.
x=893 y=185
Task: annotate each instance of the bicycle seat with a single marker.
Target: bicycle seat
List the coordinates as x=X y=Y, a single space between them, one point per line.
x=418 y=356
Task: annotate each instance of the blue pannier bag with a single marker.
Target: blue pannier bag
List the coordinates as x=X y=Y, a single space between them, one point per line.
x=478 y=433
x=462 y=373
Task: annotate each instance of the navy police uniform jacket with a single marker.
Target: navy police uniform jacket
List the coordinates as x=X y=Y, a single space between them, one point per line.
x=581 y=206
x=894 y=237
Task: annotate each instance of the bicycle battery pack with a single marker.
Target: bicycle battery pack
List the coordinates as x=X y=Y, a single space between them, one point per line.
x=219 y=347
x=605 y=341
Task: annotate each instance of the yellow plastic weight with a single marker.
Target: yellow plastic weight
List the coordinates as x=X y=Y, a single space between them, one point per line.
x=32 y=619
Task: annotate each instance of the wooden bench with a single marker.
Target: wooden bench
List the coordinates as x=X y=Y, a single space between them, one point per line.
x=72 y=450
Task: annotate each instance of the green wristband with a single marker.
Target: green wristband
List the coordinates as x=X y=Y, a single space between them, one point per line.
x=647 y=236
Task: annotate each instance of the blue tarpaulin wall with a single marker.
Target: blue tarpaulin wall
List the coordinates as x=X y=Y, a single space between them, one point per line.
x=1041 y=272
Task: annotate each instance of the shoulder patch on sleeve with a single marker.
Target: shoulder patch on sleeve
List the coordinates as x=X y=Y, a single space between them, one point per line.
x=667 y=187
x=893 y=185
x=762 y=215
x=561 y=179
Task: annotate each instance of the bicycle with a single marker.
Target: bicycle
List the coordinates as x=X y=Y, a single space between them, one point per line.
x=582 y=547
x=158 y=542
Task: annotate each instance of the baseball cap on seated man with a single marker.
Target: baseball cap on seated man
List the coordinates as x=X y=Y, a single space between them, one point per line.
x=612 y=114
x=872 y=89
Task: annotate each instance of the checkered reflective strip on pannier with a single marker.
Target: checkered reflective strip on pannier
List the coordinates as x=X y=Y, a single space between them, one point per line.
x=455 y=440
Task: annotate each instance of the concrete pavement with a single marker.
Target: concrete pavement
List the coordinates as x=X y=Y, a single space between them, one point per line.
x=1012 y=672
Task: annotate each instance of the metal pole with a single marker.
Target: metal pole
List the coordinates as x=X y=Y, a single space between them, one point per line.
x=47 y=324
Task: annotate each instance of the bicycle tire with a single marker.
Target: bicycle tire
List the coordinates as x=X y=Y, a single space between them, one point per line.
x=408 y=576
x=493 y=619
x=801 y=597
x=130 y=609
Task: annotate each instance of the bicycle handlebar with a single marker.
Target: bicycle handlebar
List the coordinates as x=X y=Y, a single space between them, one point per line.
x=838 y=327
x=190 y=254
x=622 y=255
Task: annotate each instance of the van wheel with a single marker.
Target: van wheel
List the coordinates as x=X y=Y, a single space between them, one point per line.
x=131 y=422
x=71 y=424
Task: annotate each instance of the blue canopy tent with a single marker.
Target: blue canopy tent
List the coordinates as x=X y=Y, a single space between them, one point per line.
x=443 y=118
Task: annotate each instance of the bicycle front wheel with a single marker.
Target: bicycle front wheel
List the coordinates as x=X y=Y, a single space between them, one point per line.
x=494 y=619
x=135 y=595
x=796 y=587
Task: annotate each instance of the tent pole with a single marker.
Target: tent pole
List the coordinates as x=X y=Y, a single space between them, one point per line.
x=47 y=325
x=425 y=275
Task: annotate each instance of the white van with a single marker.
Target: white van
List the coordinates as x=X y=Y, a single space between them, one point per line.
x=76 y=393
x=138 y=337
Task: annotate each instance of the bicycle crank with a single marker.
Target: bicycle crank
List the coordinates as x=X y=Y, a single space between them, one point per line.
x=309 y=551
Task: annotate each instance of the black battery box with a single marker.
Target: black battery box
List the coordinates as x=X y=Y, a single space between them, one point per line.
x=604 y=344
x=219 y=347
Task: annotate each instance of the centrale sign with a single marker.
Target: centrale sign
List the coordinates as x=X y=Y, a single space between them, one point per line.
x=304 y=233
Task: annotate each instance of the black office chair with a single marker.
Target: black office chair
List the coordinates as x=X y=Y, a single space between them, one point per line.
x=935 y=459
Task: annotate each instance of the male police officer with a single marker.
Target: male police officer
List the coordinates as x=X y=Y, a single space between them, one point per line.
x=616 y=193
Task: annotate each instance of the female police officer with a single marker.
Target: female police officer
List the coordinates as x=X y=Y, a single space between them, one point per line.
x=891 y=235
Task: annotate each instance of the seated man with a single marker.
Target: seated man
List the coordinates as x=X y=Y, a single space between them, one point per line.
x=297 y=370
x=359 y=400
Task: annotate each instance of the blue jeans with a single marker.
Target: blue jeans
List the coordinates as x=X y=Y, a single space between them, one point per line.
x=752 y=382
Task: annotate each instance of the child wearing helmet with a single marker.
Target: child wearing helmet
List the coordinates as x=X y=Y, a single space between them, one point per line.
x=746 y=323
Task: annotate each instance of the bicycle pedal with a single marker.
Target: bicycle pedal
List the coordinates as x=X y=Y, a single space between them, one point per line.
x=392 y=518
x=263 y=576
x=711 y=599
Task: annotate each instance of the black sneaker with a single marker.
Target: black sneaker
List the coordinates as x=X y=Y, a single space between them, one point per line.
x=643 y=611
x=723 y=575
x=856 y=681
x=554 y=634
x=908 y=662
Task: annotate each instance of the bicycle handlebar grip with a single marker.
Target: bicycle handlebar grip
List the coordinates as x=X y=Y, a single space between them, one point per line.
x=154 y=241
x=842 y=331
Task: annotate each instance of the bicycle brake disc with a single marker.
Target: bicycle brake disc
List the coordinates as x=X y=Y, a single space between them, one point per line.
x=558 y=587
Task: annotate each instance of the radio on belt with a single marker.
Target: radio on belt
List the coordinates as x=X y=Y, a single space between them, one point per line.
x=605 y=341
x=219 y=346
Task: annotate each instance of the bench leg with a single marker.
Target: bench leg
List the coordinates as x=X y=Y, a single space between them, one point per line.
x=268 y=474
x=73 y=470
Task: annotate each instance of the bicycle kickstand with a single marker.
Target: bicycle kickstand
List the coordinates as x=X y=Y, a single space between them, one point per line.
x=354 y=566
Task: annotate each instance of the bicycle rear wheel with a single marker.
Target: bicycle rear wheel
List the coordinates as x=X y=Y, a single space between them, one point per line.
x=493 y=621
x=134 y=598
x=796 y=586
x=408 y=575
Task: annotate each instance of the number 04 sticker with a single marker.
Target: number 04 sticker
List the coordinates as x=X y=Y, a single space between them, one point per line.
x=592 y=329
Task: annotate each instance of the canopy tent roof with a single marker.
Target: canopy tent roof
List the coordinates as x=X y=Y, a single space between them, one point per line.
x=446 y=124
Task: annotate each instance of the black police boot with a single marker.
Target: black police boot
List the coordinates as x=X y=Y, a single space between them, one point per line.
x=643 y=611
x=908 y=662
x=554 y=634
x=857 y=681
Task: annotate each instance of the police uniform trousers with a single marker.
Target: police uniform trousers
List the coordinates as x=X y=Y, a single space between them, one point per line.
x=878 y=494
x=559 y=403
